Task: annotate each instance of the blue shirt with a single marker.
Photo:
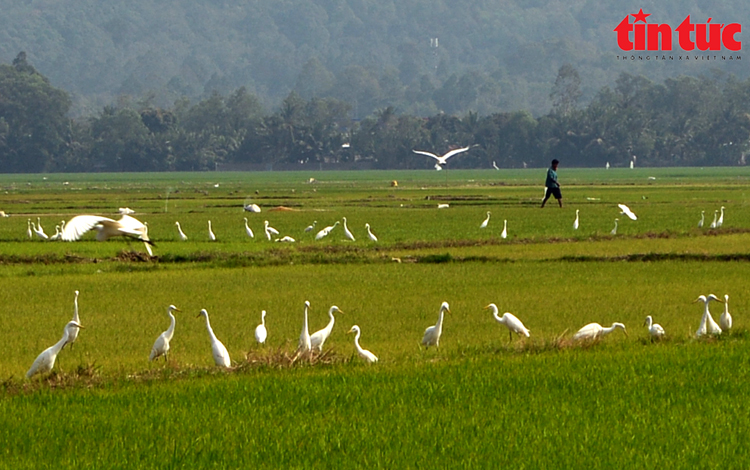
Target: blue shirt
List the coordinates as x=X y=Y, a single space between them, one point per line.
x=551 y=179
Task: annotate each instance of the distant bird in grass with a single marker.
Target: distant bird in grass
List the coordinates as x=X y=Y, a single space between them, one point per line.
x=575 y=222
x=261 y=333
x=713 y=224
x=248 y=230
x=39 y=232
x=161 y=345
x=311 y=227
x=370 y=235
x=29 y=232
x=438 y=167
x=324 y=233
x=106 y=228
x=486 y=221
x=286 y=239
x=708 y=325
x=363 y=353
x=218 y=350
x=719 y=222
x=504 y=233
x=255 y=208
x=57 y=234
x=183 y=237
x=442 y=160
x=655 y=330
x=318 y=338
x=626 y=211
x=39 y=225
x=432 y=333
x=703 y=218
x=305 y=345
x=46 y=360
x=443 y=206
x=614 y=230
x=211 y=235
x=725 y=320
x=594 y=331
x=494 y=165
x=269 y=230
x=347 y=232
x=73 y=333
x=510 y=321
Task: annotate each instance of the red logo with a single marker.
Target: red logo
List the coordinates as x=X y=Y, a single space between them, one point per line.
x=658 y=37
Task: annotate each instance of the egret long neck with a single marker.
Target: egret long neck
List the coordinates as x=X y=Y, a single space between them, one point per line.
x=170 y=331
x=356 y=341
x=75 y=310
x=59 y=345
x=208 y=327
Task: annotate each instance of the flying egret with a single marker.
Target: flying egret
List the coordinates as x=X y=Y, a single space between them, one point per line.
x=655 y=330
x=708 y=325
x=161 y=345
x=183 y=237
x=286 y=239
x=504 y=233
x=39 y=232
x=725 y=320
x=432 y=333
x=248 y=230
x=363 y=353
x=29 y=233
x=703 y=218
x=319 y=337
x=269 y=230
x=347 y=232
x=324 y=233
x=594 y=331
x=614 y=230
x=261 y=333
x=719 y=222
x=370 y=235
x=575 y=222
x=305 y=345
x=626 y=211
x=221 y=356
x=713 y=224
x=106 y=228
x=46 y=360
x=310 y=228
x=486 y=221
x=510 y=321
x=73 y=331
x=211 y=235
x=442 y=160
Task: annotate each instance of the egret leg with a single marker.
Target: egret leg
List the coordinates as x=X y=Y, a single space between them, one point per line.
x=510 y=336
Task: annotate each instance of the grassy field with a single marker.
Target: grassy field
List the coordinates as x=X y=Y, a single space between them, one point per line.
x=477 y=401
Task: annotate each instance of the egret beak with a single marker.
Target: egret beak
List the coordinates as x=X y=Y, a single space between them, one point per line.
x=625 y=331
x=351 y=331
x=697 y=300
x=485 y=308
x=197 y=315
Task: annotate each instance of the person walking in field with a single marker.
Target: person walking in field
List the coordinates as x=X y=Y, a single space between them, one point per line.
x=552 y=186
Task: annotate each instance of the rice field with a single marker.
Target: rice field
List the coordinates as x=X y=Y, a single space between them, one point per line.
x=479 y=400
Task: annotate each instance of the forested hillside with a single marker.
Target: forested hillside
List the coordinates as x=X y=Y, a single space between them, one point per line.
x=420 y=57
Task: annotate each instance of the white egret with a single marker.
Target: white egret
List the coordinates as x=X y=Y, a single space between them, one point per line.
x=713 y=224
x=145 y=234
x=305 y=345
x=319 y=337
x=211 y=235
x=626 y=211
x=39 y=225
x=261 y=333
x=442 y=160
x=594 y=331
x=106 y=228
x=286 y=239
x=703 y=218
x=269 y=230
x=73 y=333
x=29 y=233
x=443 y=206
x=57 y=234
x=510 y=321
x=725 y=320
x=504 y=233
x=310 y=228
x=183 y=237
x=248 y=230
x=363 y=353
x=39 y=233
x=255 y=208
x=575 y=222
x=607 y=166
x=432 y=333
x=46 y=360
x=347 y=232
x=370 y=235
x=486 y=221
x=161 y=345
x=218 y=350
x=719 y=222
x=614 y=230
x=495 y=166
x=655 y=330
x=125 y=211
x=324 y=233
x=708 y=325
x=438 y=167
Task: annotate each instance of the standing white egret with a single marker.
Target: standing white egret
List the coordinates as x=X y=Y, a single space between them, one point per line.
x=708 y=325
x=347 y=232
x=494 y=165
x=438 y=167
x=319 y=337
x=442 y=160
x=614 y=230
x=183 y=237
x=324 y=233
x=510 y=321
x=39 y=233
x=305 y=345
x=106 y=228
x=39 y=224
x=594 y=331
x=626 y=211
x=261 y=333
x=211 y=235
x=73 y=333
x=248 y=230
x=655 y=330
x=29 y=233
x=269 y=230
x=370 y=235
x=725 y=320
x=575 y=222
x=504 y=233
x=363 y=353
x=713 y=224
x=719 y=222
x=703 y=218
x=310 y=228
x=486 y=221
x=432 y=333
x=46 y=360
x=57 y=234
x=219 y=351
x=161 y=345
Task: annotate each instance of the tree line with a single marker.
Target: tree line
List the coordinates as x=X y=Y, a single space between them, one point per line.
x=684 y=121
